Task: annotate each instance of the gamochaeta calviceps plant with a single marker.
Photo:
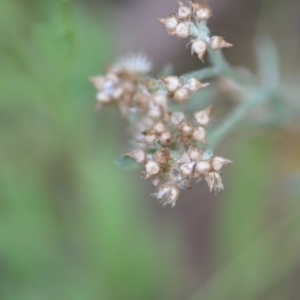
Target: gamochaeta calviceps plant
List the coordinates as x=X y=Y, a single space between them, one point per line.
x=169 y=140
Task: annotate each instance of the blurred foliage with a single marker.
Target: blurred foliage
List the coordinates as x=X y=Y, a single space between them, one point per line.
x=70 y=227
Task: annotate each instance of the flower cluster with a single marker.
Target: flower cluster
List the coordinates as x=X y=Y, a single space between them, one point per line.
x=120 y=82
x=169 y=144
x=190 y=20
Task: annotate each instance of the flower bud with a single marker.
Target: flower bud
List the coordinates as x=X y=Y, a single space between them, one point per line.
x=202 y=117
x=182 y=30
x=177 y=118
x=199 y=47
x=195 y=153
x=172 y=83
x=174 y=174
x=203 y=167
x=219 y=162
x=168 y=194
x=193 y=84
x=184 y=158
x=216 y=42
x=138 y=155
x=174 y=194
x=162 y=156
x=214 y=181
x=181 y=96
x=151 y=168
x=159 y=128
x=170 y=24
x=186 y=169
x=160 y=100
x=185 y=128
x=166 y=138
x=199 y=135
x=184 y=12
x=147 y=139
x=202 y=12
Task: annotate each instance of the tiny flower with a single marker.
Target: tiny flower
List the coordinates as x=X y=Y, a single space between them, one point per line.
x=151 y=168
x=181 y=95
x=138 y=155
x=184 y=158
x=176 y=118
x=159 y=128
x=202 y=117
x=165 y=139
x=194 y=84
x=214 y=182
x=195 y=153
x=219 y=162
x=135 y=63
x=184 y=12
x=186 y=128
x=202 y=168
x=162 y=156
x=216 y=42
x=182 y=30
x=186 y=169
x=201 y=11
x=168 y=194
x=172 y=83
x=174 y=174
x=170 y=24
x=199 y=135
x=199 y=47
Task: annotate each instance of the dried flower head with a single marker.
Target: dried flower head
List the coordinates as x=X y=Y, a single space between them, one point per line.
x=169 y=145
x=190 y=20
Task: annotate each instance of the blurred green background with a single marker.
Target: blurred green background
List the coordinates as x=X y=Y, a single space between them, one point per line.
x=75 y=226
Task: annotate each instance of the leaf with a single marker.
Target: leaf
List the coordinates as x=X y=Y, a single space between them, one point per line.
x=126 y=162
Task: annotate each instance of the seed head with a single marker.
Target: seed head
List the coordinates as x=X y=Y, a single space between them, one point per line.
x=162 y=156
x=219 y=162
x=172 y=83
x=203 y=168
x=202 y=117
x=151 y=168
x=186 y=128
x=217 y=42
x=182 y=30
x=159 y=128
x=181 y=95
x=199 y=135
x=194 y=85
x=195 y=153
x=176 y=118
x=214 y=181
x=138 y=155
x=165 y=139
x=170 y=24
x=199 y=47
x=184 y=12
x=186 y=169
x=202 y=11
x=168 y=194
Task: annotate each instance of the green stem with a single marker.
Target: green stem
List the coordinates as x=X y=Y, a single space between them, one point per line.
x=251 y=99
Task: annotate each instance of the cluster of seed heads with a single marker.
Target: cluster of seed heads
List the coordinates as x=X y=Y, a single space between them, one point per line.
x=170 y=144
x=190 y=20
